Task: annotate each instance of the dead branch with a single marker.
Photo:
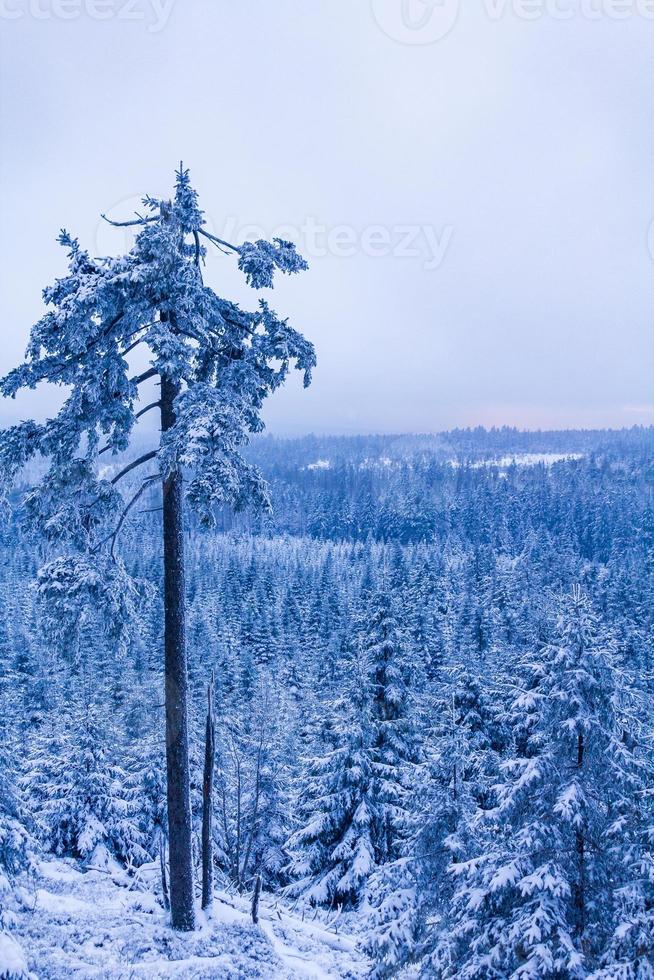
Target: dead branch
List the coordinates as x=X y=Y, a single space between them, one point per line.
x=148 y=408
x=127 y=224
x=146 y=457
x=222 y=245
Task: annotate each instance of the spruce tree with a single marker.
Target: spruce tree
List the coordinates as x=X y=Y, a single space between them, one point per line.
x=355 y=801
x=393 y=736
x=15 y=843
x=15 y=857
x=333 y=850
x=532 y=885
x=82 y=797
x=461 y=739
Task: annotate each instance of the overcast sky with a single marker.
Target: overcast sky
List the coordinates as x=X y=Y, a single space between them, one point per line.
x=473 y=188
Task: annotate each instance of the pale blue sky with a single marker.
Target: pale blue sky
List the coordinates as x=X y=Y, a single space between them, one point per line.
x=475 y=207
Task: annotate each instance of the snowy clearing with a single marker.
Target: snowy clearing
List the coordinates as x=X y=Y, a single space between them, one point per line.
x=97 y=924
x=522 y=459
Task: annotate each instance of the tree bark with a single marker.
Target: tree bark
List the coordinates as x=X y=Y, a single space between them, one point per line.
x=180 y=848
x=164 y=881
x=207 y=804
x=255 y=899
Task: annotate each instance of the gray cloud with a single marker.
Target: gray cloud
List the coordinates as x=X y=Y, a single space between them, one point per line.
x=483 y=196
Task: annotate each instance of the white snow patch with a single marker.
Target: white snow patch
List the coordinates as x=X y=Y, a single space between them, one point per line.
x=376 y=462
x=103 y=923
x=59 y=904
x=12 y=957
x=521 y=459
x=59 y=871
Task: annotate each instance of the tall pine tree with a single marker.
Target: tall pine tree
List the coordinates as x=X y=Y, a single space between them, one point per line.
x=214 y=364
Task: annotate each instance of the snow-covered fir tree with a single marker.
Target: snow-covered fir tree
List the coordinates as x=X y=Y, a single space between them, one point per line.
x=394 y=748
x=357 y=792
x=83 y=803
x=459 y=766
x=333 y=849
x=529 y=892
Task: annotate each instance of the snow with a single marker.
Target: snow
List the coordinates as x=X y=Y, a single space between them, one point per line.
x=59 y=904
x=376 y=462
x=320 y=464
x=522 y=459
x=82 y=923
x=12 y=957
x=60 y=871
x=293 y=960
x=507 y=875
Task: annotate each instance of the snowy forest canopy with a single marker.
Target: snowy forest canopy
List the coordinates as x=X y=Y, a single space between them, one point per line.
x=433 y=693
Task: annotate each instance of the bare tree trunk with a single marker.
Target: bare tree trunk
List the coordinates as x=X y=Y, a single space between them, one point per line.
x=255 y=899
x=207 y=803
x=164 y=881
x=180 y=848
x=237 y=851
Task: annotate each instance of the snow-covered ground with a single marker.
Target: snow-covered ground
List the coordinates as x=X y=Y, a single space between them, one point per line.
x=501 y=462
x=523 y=459
x=102 y=923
